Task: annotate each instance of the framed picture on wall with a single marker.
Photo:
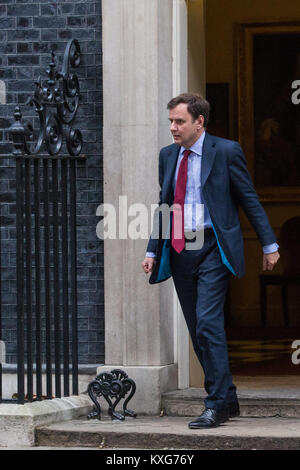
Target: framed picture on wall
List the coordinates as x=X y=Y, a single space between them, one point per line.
x=268 y=62
x=217 y=94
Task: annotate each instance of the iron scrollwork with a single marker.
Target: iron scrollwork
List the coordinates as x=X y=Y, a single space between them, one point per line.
x=56 y=104
x=113 y=386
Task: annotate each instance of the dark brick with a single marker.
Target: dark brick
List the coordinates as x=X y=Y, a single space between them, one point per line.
x=11 y=97
x=89 y=136
x=23 y=10
x=83 y=324
x=45 y=60
x=81 y=9
x=95 y=348
x=88 y=59
x=83 y=273
x=94 y=96
x=65 y=34
x=86 y=311
x=22 y=97
x=7 y=73
x=83 y=348
x=99 y=110
x=82 y=197
x=76 y=21
x=92 y=72
x=3 y=110
x=7 y=23
x=49 y=22
x=24 y=73
x=24 y=47
x=24 y=35
x=91 y=20
x=48 y=10
x=23 y=60
x=98 y=61
x=20 y=85
x=96 y=322
x=7 y=197
x=8 y=48
x=67 y=8
x=24 y=22
x=49 y=34
x=89 y=84
x=84 y=286
x=45 y=47
x=5 y=149
x=94 y=46
x=4 y=123
x=83 y=33
x=8 y=246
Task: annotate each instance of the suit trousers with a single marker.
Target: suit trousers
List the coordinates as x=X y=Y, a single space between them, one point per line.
x=201 y=282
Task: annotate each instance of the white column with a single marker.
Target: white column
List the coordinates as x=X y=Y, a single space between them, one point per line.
x=137 y=84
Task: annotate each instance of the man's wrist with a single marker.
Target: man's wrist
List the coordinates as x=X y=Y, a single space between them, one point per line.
x=272 y=248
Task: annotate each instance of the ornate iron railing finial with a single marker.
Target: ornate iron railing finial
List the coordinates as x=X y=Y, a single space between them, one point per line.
x=56 y=104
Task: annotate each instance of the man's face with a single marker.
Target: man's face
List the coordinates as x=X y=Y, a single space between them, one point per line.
x=184 y=129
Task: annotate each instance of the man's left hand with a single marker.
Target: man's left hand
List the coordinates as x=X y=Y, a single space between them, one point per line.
x=269 y=260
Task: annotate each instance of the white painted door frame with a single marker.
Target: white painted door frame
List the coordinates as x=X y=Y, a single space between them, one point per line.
x=188 y=75
x=180 y=84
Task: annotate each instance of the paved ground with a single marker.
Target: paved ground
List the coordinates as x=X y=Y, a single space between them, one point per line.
x=179 y=425
x=173 y=433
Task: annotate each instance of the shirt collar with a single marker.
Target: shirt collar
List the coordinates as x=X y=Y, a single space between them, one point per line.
x=197 y=146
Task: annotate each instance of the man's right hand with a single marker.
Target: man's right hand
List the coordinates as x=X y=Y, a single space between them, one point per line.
x=148 y=265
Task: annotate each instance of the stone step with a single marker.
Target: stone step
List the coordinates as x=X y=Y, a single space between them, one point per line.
x=253 y=403
x=171 y=432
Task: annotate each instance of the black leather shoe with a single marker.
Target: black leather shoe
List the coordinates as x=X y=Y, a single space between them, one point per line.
x=234 y=409
x=210 y=418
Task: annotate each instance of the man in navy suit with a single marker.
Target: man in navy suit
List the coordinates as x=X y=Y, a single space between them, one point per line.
x=203 y=171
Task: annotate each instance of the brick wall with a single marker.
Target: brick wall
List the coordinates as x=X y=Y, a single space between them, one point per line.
x=28 y=32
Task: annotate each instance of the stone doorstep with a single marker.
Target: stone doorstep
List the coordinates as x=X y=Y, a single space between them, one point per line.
x=248 y=407
x=253 y=403
x=172 y=433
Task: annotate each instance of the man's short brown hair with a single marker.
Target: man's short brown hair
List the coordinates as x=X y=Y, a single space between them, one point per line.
x=196 y=105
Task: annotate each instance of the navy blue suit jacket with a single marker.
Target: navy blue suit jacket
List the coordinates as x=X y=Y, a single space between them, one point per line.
x=226 y=184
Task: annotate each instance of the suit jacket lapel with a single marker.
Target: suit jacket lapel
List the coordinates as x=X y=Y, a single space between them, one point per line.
x=208 y=157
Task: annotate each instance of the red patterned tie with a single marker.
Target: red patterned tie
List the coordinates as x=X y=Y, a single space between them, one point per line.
x=178 y=206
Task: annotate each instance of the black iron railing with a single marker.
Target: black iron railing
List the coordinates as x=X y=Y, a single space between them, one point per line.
x=46 y=245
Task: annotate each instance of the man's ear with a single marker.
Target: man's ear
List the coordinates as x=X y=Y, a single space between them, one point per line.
x=200 y=122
